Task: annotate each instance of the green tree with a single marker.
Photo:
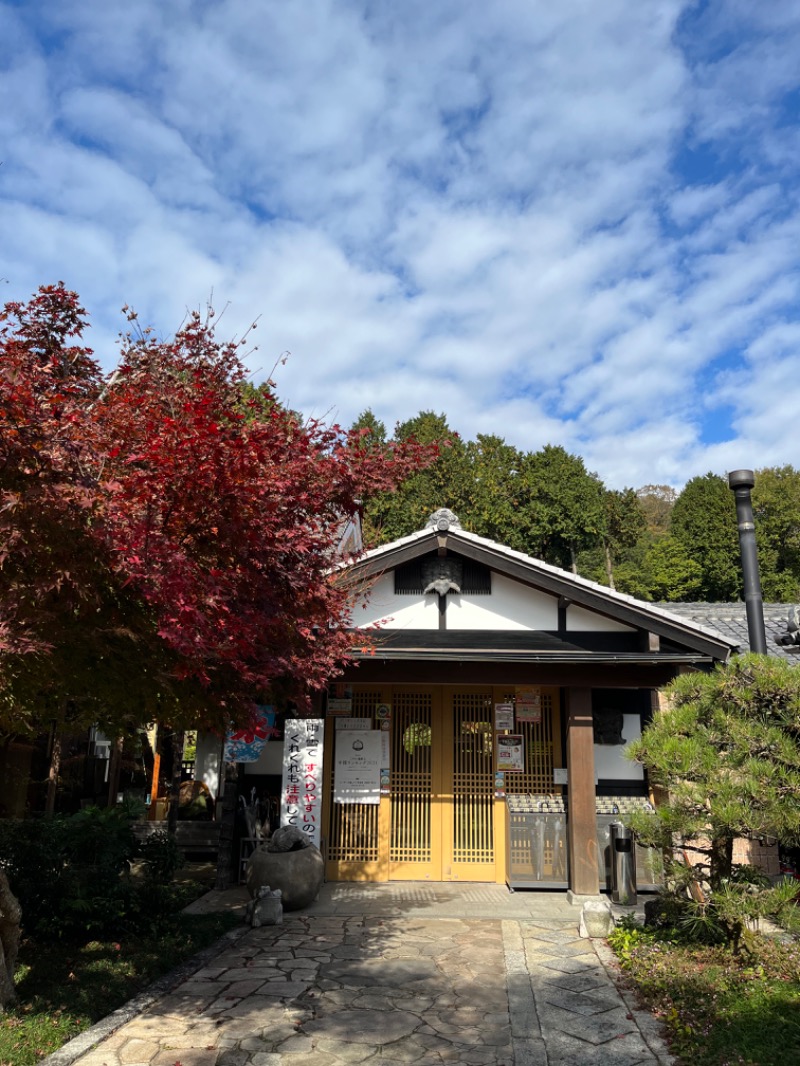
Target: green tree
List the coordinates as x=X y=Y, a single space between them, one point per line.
x=704 y=523
x=726 y=750
x=623 y=526
x=544 y=503
x=567 y=513
x=657 y=502
x=629 y=574
x=669 y=572
x=497 y=494
x=776 y=507
x=376 y=430
x=390 y=515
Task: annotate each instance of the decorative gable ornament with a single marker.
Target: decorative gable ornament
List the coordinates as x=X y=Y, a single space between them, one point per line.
x=442 y=574
x=443 y=520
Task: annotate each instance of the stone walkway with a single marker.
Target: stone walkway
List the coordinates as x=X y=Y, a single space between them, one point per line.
x=395 y=974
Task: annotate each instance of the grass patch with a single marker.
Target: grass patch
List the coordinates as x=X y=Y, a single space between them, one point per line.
x=718 y=1010
x=65 y=987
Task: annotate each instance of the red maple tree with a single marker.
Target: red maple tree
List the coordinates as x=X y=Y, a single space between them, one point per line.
x=199 y=517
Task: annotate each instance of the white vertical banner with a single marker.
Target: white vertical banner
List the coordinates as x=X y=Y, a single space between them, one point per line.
x=301 y=792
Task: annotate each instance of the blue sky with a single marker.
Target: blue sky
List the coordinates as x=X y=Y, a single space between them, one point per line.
x=574 y=223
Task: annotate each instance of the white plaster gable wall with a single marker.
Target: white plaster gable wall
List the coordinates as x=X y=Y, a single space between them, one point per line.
x=510 y=606
x=382 y=606
x=580 y=620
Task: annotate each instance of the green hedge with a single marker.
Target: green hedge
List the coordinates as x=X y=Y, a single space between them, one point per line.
x=71 y=874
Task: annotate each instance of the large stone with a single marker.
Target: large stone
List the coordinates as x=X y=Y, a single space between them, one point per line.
x=298 y=875
x=596 y=920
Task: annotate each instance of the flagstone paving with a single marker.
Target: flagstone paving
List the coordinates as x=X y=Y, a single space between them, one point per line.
x=333 y=989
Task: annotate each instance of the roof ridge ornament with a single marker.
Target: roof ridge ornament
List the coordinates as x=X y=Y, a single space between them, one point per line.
x=443 y=520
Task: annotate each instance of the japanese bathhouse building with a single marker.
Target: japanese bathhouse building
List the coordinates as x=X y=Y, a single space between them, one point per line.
x=500 y=684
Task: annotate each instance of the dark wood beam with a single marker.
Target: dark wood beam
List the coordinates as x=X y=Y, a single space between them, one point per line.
x=408 y=672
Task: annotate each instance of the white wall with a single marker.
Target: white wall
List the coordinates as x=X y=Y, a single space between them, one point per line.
x=608 y=759
x=396 y=612
x=579 y=620
x=510 y=606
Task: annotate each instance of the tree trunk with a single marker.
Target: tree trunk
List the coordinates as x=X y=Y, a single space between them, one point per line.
x=609 y=566
x=10 y=917
x=721 y=858
x=175 y=786
x=52 y=776
x=573 y=558
x=227 y=830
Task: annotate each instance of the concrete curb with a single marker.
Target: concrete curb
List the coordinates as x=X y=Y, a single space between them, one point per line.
x=646 y=1023
x=90 y=1038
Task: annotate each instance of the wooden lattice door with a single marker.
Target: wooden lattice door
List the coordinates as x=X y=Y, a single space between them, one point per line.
x=442 y=819
x=468 y=779
x=415 y=836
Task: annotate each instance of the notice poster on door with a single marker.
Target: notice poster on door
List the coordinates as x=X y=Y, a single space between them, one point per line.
x=301 y=791
x=510 y=754
x=386 y=759
x=338 y=707
x=357 y=766
x=503 y=716
x=529 y=704
x=383 y=712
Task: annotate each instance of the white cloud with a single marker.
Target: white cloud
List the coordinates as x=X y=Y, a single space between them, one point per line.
x=573 y=223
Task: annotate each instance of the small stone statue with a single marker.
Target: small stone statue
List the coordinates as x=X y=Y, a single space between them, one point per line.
x=266 y=908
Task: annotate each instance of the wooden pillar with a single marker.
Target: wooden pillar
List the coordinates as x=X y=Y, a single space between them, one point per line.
x=582 y=814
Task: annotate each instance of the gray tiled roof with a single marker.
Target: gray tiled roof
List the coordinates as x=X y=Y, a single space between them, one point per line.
x=730 y=620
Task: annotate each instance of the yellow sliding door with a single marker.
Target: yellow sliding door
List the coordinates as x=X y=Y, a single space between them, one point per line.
x=441 y=821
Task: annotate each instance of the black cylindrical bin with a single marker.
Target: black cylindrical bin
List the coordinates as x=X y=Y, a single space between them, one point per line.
x=623 y=865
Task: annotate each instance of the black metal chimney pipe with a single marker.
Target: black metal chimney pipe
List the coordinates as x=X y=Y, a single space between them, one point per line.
x=741 y=482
